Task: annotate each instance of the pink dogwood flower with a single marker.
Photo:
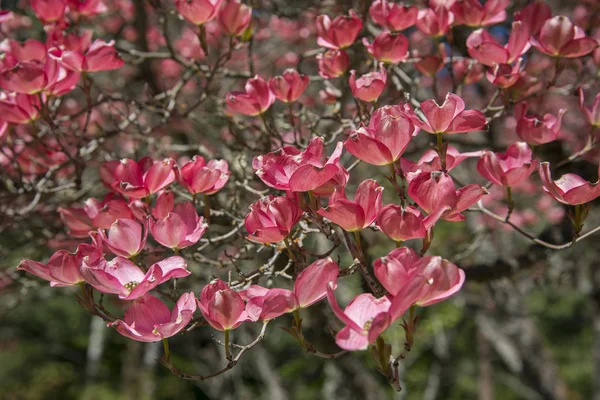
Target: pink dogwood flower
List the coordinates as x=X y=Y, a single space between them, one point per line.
x=354 y=215
x=434 y=22
x=473 y=13
x=257 y=98
x=148 y=319
x=387 y=47
x=300 y=171
x=450 y=118
x=235 y=17
x=222 y=307
x=49 y=11
x=559 y=37
x=180 y=228
x=570 y=188
x=405 y=223
x=81 y=55
x=104 y=213
x=383 y=142
x=534 y=129
x=290 y=86
x=199 y=177
x=63 y=267
x=271 y=219
x=138 y=179
x=198 y=12
x=592 y=115
x=366 y=316
x=395 y=17
x=29 y=77
x=504 y=75
x=438 y=278
x=126 y=237
x=333 y=63
x=435 y=190
x=87 y=8
x=369 y=86
x=510 y=168
x=534 y=15
x=19 y=108
x=310 y=287
x=339 y=33
x=482 y=46
x=122 y=277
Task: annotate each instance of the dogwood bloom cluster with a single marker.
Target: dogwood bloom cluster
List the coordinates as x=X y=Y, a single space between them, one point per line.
x=360 y=135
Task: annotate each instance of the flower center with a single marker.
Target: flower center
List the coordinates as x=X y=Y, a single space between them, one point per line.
x=131 y=285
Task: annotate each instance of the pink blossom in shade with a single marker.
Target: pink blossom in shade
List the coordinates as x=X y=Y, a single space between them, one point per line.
x=387 y=47
x=126 y=237
x=354 y=215
x=592 y=115
x=30 y=49
x=534 y=15
x=570 y=188
x=19 y=108
x=199 y=177
x=510 y=168
x=450 y=118
x=222 y=307
x=433 y=279
x=77 y=221
x=271 y=219
x=290 y=86
x=405 y=223
x=148 y=319
x=369 y=86
x=365 y=317
x=234 y=18
x=383 y=142
x=104 y=213
x=504 y=75
x=473 y=13
x=66 y=81
x=435 y=190
x=333 y=63
x=123 y=277
x=395 y=17
x=430 y=161
x=299 y=171
x=310 y=287
x=257 y=98
x=434 y=22
x=87 y=8
x=339 y=33
x=559 y=37
x=138 y=179
x=198 y=12
x=81 y=55
x=48 y=11
x=534 y=129
x=29 y=77
x=180 y=228
x=63 y=267
x=482 y=46
x=395 y=270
